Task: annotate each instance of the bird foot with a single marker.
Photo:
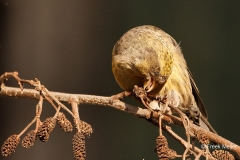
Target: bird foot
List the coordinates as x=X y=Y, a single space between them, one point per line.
x=192 y=112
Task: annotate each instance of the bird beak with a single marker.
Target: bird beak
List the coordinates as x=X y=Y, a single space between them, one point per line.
x=149 y=84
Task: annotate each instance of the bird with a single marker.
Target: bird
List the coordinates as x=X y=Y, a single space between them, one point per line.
x=148 y=57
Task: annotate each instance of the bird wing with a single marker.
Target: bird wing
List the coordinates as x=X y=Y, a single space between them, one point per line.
x=197 y=97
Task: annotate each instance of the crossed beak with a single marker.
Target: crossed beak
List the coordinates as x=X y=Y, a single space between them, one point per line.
x=149 y=84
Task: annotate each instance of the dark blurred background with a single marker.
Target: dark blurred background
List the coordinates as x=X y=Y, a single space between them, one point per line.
x=68 y=44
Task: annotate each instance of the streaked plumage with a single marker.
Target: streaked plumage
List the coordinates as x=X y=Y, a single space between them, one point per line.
x=148 y=57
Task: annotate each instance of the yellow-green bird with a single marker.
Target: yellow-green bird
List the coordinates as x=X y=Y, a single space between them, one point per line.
x=148 y=57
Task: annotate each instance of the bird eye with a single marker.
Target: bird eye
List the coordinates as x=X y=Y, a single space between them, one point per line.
x=162 y=79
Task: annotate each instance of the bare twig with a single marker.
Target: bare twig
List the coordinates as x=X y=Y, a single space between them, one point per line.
x=116 y=104
x=160 y=123
x=112 y=102
x=29 y=125
x=74 y=103
x=38 y=112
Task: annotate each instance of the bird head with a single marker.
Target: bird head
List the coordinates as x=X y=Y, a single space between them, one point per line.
x=153 y=82
x=156 y=71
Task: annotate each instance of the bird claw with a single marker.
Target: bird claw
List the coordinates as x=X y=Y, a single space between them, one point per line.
x=193 y=113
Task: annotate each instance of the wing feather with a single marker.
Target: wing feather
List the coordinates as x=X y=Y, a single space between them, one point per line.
x=197 y=97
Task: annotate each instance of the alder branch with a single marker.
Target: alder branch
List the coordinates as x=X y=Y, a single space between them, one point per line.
x=116 y=104
x=112 y=102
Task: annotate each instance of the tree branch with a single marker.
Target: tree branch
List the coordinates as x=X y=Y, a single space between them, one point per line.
x=119 y=105
x=113 y=102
